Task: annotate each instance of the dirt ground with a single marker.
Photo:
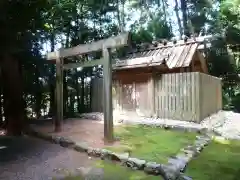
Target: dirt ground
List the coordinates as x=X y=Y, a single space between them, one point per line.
x=27 y=158
x=89 y=131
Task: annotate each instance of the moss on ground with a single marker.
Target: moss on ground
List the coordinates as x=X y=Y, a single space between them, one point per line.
x=113 y=171
x=220 y=160
x=149 y=143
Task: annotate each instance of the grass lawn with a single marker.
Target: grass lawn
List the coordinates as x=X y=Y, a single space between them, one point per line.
x=149 y=143
x=114 y=171
x=220 y=161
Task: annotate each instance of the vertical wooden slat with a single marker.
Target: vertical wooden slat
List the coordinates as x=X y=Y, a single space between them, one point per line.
x=174 y=95
x=186 y=88
x=151 y=95
x=157 y=95
x=220 y=94
x=198 y=95
x=193 y=96
x=162 y=96
x=181 y=96
x=169 y=93
x=188 y=95
x=120 y=95
x=166 y=96
x=178 y=104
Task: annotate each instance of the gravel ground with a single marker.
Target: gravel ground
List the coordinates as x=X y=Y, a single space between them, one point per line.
x=227 y=124
x=26 y=158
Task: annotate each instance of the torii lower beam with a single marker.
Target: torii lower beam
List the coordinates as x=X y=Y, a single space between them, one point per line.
x=104 y=45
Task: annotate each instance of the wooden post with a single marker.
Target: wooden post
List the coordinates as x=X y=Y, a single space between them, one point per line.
x=59 y=95
x=107 y=94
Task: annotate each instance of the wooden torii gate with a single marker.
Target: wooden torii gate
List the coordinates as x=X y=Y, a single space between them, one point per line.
x=105 y=45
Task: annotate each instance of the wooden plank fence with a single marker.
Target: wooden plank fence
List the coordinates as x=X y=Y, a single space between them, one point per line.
x=190 y=96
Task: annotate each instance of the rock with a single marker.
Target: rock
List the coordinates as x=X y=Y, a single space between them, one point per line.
x=180 y=164
x=105 y=154
x=153 y=168
x=65 y=142
x=170 y=172
x=179 y=128
x=135 y=163
x=190 y=148
x=81 y=147
x=123 y=158
x=188 y=151
x=56 y=139
x=199 y=149
x=96 y=152
x=183 y=157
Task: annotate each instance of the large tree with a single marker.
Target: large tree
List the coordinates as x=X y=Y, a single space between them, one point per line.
x=19 y=21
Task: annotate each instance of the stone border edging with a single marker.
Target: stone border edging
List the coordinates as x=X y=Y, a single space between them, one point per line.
x=181 y=127
x=173 y=170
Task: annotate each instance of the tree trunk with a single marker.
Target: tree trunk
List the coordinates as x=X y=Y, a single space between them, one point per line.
x=38 y=97
x=82 y=94
x=1 y=101
x=164 y=10
x=52 y=82
x=91 y=94
x=65 y=94
x=13 y=94
x=1 y=106
x=178 y=18
x=119 y=16
x=77 y=92
x=71 y=103
x=184 y=17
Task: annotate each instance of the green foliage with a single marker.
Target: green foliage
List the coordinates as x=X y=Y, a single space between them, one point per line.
x=236 y=102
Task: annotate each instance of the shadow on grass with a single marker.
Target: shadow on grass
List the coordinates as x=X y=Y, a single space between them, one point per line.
x=220 y=160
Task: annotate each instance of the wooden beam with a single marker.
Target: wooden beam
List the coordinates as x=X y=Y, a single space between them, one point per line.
x=107 y=89
x=83 y=64
x=112 y=42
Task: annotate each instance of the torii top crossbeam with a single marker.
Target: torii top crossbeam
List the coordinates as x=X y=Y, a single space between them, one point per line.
x=112 y=42
x=105 y=45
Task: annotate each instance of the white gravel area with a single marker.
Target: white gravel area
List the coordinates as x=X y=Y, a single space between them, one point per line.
x=224 y=123
x=227 y=125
